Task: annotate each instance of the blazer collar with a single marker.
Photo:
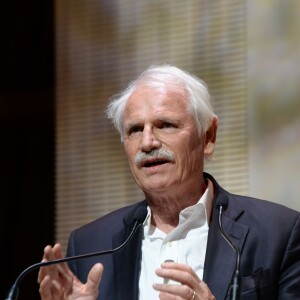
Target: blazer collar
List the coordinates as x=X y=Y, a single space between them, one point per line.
x=220 y=258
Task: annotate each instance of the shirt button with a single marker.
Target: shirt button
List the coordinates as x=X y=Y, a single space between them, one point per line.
x=169 y=244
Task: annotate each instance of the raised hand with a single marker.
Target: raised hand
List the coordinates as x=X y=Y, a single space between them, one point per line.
x=57 y=282
x=189 y=286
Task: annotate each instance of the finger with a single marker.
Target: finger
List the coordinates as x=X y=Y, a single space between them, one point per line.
x=184 y=275
x=50 y=289
x=204 y=292
x=55 y=272
x=65 y=278
x=169 y=291
x=94 y=278
x=46 y=257
x=41 y=274
x=184 y=291
x=52 y=253
x=177 y=266
x=57 y=251
x=59 y=277
x=189 y=280
x=45 y=288
x=58 y=254
x=49 y=252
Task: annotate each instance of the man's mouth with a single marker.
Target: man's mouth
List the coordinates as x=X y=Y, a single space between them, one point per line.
x=154 y=162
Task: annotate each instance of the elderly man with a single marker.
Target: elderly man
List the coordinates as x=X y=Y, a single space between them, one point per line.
x=168 y=128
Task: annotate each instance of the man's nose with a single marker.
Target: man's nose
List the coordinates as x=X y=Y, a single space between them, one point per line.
x=149 y=140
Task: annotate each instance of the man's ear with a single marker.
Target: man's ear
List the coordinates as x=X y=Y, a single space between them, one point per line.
x=210 y=138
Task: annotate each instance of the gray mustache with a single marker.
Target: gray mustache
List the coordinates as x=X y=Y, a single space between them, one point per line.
x=156 y=153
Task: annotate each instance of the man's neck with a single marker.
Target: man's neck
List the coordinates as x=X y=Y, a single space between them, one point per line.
x=166 y=207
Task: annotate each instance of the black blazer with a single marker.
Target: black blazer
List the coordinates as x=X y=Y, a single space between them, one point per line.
x=267 y=234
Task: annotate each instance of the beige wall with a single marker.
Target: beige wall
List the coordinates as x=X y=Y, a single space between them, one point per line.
x=247 y=52
x=274 y=100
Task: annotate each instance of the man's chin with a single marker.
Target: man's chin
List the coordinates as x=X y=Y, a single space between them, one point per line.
x=155 y=186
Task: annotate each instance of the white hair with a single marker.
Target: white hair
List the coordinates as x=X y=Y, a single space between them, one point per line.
x=169 y=77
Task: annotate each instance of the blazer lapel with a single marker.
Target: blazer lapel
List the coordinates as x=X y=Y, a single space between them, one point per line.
x=127 y=262
x=220 y=260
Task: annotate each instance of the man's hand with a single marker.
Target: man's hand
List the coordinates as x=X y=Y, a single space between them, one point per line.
x=57 y=282
x=190 y=287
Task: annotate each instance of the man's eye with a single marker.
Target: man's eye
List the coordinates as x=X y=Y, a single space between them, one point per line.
x=135 y=129
x=167 y=125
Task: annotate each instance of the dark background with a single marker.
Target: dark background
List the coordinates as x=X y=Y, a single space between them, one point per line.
x=27 y=139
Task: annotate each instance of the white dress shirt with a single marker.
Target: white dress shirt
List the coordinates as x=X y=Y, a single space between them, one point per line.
x=184 y=244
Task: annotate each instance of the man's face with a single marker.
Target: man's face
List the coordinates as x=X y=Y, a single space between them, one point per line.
x=157 y=120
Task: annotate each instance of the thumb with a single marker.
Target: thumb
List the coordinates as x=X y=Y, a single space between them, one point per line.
x=94 y=277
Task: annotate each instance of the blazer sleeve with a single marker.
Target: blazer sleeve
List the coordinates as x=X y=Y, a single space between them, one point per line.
x=71 y=252
x=289 y=284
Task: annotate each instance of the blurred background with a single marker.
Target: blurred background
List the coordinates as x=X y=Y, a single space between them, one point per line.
x=62 y=163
